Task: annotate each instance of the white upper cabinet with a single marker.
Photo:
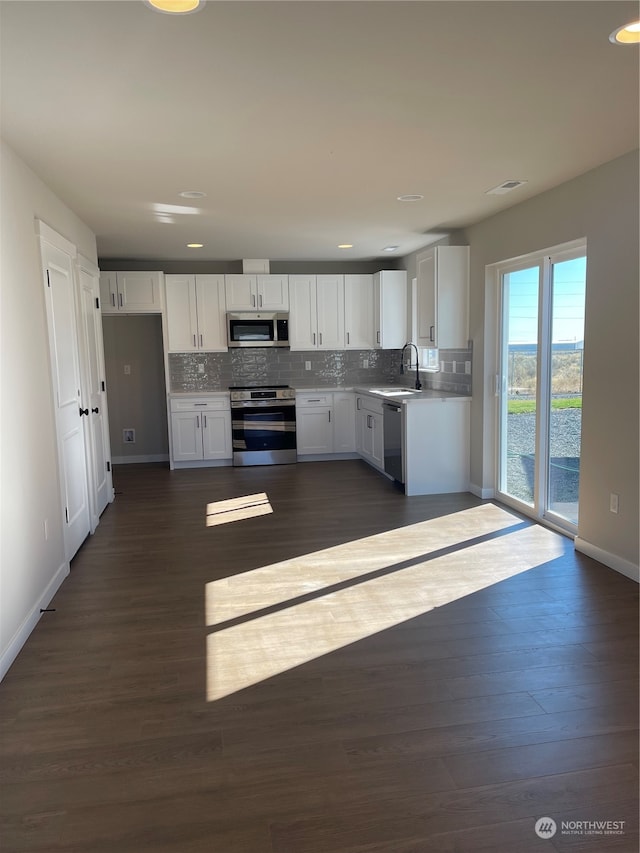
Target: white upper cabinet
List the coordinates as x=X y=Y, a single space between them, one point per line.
x=330 y=307
x=257 y=292
x=316 y=319
x=442 y=298
x=131 y=292
x=195 y=313
x=358 y=312
x=390 y=309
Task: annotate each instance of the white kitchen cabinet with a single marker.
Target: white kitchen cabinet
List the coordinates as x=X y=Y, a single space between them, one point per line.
x=359 y=312
x=195 y=313
x=369 y=430
x=390 y=309
x=330 y=308
x=316 y=312
x=257 y=292
x=325 y=423
x=131 y=292
x=442 y=298
x=200 y=429
x=436 y=446
x=314 y=423
x=344 y=422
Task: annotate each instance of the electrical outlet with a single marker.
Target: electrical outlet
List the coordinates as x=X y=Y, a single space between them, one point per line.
x=613 y=502
x=129 y=436
x=365 y=363
x=201 y=368
x=307 y=365
x=467 y=367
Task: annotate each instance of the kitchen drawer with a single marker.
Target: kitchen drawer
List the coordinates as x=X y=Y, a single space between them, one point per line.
x=368 y=403
x=197 y=404
x=313 y=400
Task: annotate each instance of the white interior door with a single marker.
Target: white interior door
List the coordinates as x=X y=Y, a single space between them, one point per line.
x=65 y=371
x=93 y=388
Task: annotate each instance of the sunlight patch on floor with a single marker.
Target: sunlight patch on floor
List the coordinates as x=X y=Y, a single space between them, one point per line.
x=436 y=562
x=236 y=509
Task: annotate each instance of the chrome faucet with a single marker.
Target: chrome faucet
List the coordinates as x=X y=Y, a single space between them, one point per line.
x=418 y=384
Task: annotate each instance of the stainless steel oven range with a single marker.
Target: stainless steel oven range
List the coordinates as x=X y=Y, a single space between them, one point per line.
x=263 y=424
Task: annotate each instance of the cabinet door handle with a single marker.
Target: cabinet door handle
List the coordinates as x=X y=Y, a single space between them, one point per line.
x=260 y=298
x=347 y=337
x=378 y=336
x=205 y=421
x=194 y=341
x=431 y=331
x=121 y=300
x=314 y=338
x=329 y=415
x=358 y=403
x=96 y=411
x=253 y=301
x=201 y=344
x=197 y=421
x=113 y=300
x=313 y=401
x=320 y=338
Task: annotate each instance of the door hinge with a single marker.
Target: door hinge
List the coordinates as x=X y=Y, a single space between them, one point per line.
x=102 y=384
x=97 y=303
x=108 y=466
x=48 y=279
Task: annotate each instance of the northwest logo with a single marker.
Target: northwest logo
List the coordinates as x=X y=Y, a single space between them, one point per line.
x=545 y=827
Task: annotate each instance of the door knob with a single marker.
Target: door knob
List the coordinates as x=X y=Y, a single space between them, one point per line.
x=83 y=411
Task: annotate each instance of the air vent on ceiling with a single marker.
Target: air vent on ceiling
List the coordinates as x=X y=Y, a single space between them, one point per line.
x=505 y=187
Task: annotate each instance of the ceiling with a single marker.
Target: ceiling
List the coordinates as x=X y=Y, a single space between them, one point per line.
x=304 y=121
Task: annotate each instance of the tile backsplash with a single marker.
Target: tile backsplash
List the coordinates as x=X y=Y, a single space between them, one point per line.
x=216 y=371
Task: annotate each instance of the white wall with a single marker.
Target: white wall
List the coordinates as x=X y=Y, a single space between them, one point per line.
x=601 y=205
x=31 y=567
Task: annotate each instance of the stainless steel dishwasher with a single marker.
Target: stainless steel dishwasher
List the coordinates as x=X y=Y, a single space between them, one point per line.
x=393 y=423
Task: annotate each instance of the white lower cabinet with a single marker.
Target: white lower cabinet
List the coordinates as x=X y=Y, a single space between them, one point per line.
x=200 y=429
x=325 y=423
x=369 y=430
x=344 y=422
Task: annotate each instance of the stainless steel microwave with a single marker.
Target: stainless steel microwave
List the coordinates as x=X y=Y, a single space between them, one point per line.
x=257 y=329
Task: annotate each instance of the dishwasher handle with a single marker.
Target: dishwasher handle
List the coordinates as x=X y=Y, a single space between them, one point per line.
x=394 y=407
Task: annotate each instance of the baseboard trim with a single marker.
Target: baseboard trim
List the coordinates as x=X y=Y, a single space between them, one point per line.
x=479 y=492
x=135 y=460
x=619 y=564
x=33 y=617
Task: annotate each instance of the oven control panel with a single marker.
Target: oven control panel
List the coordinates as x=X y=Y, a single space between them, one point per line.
x=257 y=394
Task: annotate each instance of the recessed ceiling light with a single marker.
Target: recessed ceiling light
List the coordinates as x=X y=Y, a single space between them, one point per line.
x=195 y=245
x=411 y=197
x=345 y=246
x=504 y=187
x=175 y=7
x=628 y=34
x=390 y=248
x=192 y=194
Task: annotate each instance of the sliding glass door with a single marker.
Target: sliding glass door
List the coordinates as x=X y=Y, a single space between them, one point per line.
x=540 y=384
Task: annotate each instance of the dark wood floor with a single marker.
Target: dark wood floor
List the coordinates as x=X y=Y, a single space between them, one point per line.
x=355 y=672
